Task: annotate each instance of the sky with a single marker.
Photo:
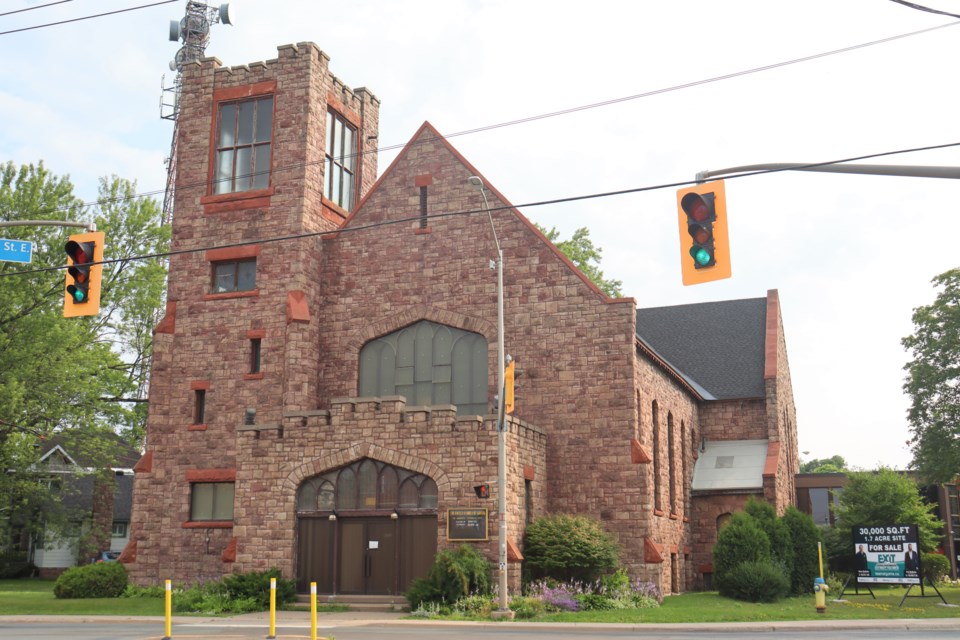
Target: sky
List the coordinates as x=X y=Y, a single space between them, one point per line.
x=850 y=255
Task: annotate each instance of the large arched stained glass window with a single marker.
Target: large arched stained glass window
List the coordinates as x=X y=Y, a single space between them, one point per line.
x=428 y=364
x=367 y=485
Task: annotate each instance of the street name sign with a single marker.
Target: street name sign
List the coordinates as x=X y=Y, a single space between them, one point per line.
x=16 y=250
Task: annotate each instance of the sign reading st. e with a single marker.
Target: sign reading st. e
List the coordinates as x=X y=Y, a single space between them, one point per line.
x=16 y=250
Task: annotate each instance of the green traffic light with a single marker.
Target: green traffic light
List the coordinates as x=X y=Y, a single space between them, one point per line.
x=77 y=294
x=701 y=256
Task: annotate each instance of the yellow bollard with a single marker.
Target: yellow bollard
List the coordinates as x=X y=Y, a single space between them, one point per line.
x=168 y=609
x=820 y=587
x=273 y=608
x=313 y=611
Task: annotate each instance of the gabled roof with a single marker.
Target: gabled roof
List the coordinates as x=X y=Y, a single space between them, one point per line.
x=717 y=346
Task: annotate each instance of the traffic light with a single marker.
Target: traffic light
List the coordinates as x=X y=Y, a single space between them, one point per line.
x=704 y=243
x=482 y=490
x=82 y=287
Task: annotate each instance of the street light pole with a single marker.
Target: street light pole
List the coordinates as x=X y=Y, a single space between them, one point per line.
x=503 y=609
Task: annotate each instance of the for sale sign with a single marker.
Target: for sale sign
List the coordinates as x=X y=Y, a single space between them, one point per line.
x=887 y=554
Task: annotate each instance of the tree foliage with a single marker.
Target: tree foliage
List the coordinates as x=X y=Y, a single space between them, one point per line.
x=886 y=497
x=933 y=382
x=72 y=375
x=833 y=464
x=586 y=256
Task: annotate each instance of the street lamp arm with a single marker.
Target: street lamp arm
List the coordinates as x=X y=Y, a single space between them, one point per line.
x=903 y=170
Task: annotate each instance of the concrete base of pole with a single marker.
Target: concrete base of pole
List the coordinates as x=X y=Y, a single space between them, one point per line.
x=497 y=614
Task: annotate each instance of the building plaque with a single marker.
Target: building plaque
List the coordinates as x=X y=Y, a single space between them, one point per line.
x=466 y=524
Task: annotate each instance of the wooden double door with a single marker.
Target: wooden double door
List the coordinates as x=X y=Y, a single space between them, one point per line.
x=365 y=555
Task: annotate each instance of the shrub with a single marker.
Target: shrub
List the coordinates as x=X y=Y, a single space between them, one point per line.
x=756 y=581
x=475 y=605
x=256 y=585
x=740 y=541
x=236 y=593
x=101 y=580
x=936 y=567
x=153 y=591
x=778 y=534
x=526 y=608
x=15 y=565
x=568 y=548
x=454 y=574
x=804 y=536
x=599 y=602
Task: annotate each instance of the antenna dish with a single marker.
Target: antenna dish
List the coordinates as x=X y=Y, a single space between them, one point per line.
x=227 y=14
x=175 y=31
x=173 y=65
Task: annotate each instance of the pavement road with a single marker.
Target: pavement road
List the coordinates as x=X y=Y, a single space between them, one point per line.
x=292 y=625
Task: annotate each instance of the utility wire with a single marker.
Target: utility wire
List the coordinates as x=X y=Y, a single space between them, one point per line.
x=534 y=118
x=39 y=6
x=466 y=212
x=920 y=7
x=98 y=15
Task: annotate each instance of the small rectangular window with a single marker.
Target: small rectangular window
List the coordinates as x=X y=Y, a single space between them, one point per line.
x=255 y=355
x=234 y=275
x=119 y=530
x=199 y=406
x=211 y=501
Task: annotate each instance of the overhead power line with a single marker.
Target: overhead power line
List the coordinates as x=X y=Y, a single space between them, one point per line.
x=39 y=6
x=91 y=17
x=542 y=116
x=920 y=7
x=436 y=216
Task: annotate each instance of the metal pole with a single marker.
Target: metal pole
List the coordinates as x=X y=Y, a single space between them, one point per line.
x=903 y=170
x=503 y=609
x=501 y=440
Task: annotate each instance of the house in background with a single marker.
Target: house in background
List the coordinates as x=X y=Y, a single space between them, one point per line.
x=324 y=376
x=819 y=493
x=97 y=507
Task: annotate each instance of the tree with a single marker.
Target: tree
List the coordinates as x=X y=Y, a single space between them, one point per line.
x=586 y=256
x=71 y=375
x=804 y=536
x=933 y=382
x=886 y=497
x=835 y=464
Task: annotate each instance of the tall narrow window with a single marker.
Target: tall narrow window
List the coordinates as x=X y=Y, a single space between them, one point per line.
x=656 y=458
x=528 y=501
x=199 y=406
x=671 y=463
x=255 y=355
x=341 y=160
x=244 y=136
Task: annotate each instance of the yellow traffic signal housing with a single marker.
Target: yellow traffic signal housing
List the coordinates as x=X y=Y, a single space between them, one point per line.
x=704 y=241
x=81 y=291
x=508 y=380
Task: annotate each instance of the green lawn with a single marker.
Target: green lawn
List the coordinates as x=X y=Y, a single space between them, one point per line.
x=35 y=597
x=710 y=607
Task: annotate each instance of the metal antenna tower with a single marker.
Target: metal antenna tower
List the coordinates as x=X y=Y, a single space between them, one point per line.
x=193 y=30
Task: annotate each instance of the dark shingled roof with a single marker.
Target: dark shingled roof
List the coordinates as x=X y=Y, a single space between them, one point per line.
x=720 y=346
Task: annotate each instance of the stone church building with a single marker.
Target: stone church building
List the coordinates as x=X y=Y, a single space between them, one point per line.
x=323 y=383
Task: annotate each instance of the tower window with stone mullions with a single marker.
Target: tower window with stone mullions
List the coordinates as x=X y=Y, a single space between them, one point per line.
x=341 y=160
x=244 y=135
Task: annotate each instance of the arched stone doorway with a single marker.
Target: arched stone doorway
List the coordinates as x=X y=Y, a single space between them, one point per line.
x=368 y=528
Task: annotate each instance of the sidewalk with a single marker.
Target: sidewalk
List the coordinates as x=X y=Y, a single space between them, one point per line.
x=251 y=622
